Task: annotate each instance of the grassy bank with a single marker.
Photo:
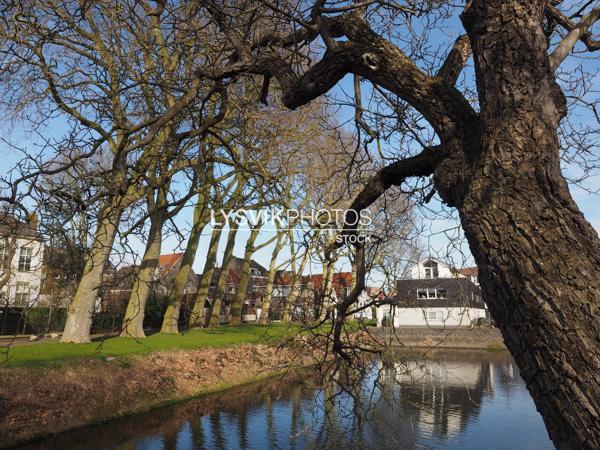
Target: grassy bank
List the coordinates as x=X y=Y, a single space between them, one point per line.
x=51 y=354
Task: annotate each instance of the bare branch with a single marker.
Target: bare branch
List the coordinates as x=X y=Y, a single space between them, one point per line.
x=456 y=59
x=576 y=32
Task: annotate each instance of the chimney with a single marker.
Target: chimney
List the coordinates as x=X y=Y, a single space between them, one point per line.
x=32 y=221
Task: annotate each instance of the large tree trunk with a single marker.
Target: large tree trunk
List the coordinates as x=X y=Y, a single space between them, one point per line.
x=537 y=254
x=133 y=321
x=79 y=316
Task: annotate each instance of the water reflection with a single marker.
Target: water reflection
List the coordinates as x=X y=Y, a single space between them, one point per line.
x=450 y=400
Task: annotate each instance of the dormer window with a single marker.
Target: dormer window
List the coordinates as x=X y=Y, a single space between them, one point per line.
x=431 y=269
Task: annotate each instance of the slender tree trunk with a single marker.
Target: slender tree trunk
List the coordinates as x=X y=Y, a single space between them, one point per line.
x=133 y=321
x=201 y=219
x=266 y=301
x=537 y=254
x=240 y=295
x=295 y=288
x=327 y=294
x=79 y=315
x=197 y=318
x=215 y=308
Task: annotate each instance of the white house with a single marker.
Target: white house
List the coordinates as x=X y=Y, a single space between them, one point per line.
x=365 y=299
x=435 y=294
x=22 y=273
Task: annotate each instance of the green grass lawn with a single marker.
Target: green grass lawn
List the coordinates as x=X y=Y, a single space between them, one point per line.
x=48 y=354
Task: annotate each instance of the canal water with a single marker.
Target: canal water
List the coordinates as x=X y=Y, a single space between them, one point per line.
x=451 y=400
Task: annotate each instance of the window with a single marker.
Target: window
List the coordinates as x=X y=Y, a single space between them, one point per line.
x=436 y=315
x=424 y=294
x=431 y=269
x=25 y=259
x=22 y=294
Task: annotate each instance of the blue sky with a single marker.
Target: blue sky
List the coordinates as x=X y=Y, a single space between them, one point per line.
x=439 y=229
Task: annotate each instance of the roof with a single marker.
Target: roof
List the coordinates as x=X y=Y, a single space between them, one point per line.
x=340 y=280
x=167 y=262
x=235 y=271
x=468 y=271
x=283 y=278
x=10 y=226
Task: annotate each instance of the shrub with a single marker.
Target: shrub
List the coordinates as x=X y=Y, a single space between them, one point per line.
x=106 y=321
x=41 y=320
x=155 y=310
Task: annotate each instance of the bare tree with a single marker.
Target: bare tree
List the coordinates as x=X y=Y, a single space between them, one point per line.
x=498 y=164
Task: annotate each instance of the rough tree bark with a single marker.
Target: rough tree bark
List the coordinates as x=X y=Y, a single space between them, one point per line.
x=79 y=318
x=537 y=254
x=501 y=169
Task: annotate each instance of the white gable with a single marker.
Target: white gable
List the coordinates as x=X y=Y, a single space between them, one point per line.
x=431 y=268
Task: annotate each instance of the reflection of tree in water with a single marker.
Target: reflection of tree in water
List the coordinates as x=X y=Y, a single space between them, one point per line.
x=391 y=405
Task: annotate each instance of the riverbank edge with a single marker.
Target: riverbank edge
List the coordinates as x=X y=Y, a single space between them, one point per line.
x=439 y=338
x=218 y=389
x=146 y=402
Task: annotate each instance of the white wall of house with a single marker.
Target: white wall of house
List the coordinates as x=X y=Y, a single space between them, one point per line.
x=367 y=313
x=422 y=271
x=430 y=317
x=26 y=273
